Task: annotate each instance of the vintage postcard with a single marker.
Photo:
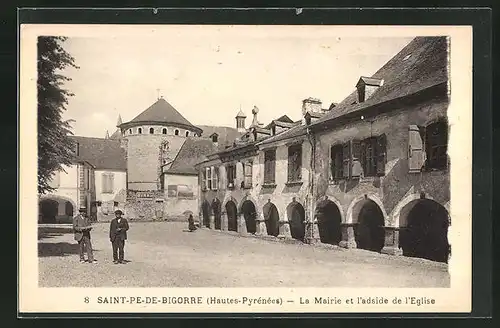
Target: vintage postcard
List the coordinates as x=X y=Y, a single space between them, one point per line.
x=213 y=168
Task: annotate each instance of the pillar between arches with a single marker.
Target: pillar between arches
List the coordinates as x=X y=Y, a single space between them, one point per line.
x=211 y=221
x=224 y=224
x=261 y=225
x=242 y=226
x=312 y=232
x=391 y=243
x=284 y=227
x=348 y=237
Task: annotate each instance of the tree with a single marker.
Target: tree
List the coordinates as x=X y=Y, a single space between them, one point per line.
x=55 y=147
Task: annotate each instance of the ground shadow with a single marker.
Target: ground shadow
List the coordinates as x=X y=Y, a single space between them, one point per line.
x=59 y=249
x=51 y=232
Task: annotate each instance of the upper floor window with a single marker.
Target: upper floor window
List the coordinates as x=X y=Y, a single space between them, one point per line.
x=231 y=175
x=151 y=130
x=209 y=178
x=129 y=131
x=436 y=145
x=336 y=162
x=364 y=158
x=428 y=146
x=139 y=130
x=269 y=166
x=187 y=133
x=176 y=132
x=294 y=163
x=215 y=178
x=108 y=182
x=247 y=182
x=164 y=131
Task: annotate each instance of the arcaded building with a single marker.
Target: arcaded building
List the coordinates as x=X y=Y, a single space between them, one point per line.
x=370 y=172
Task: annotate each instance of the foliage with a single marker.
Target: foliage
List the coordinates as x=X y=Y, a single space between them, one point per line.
x=55 y=147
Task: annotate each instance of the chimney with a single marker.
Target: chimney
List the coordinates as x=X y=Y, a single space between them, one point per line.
x=310 y=105
x=367 y=86
x=240 y=121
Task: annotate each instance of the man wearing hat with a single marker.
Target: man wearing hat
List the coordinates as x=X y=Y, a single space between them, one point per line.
x=81 y=228
x=117 y=235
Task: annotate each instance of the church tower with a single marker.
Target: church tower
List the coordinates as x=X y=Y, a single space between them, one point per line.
x=240 y=121
x=154 y=137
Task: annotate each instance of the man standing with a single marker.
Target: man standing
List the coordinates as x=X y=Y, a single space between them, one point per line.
x=81 y=228
x=117 y=235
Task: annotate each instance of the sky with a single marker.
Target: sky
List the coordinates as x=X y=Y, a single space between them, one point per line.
x=209 y=73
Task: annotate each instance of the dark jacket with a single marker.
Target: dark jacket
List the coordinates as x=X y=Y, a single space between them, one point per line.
x=118 y=230
x=80 y=224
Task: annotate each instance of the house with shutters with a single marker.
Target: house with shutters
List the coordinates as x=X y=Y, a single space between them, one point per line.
x=370 y=172
x=384 y=184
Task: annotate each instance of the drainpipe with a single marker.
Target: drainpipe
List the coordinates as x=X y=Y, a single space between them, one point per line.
x=312 y=169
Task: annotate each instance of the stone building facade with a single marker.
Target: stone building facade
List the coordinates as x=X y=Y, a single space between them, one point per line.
x=74 y=188
x=371 y=172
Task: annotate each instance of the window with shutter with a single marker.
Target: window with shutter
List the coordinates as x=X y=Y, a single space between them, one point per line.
x=336 y=162
x=269 y=166
x=416 y=153
x=215 y=175
x=204 y=179
x=111 y=182
x=231 y=175
x=436 y=145
x=381 y=154
x=346 y=160
x=356 y=168
x=368 y=157
x=248 y=175
x=209 y=178
x=104 y=181
x=294 y=163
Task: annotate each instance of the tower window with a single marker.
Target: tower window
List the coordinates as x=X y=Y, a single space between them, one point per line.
x=176 y=132
x=139 y=130
x=187 y=133
x=151 y=130
x=164 y=131
x=215 y=138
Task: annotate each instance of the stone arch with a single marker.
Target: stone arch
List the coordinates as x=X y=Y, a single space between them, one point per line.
x=232 y=214
x=296 y=217
x=424 y=225
x=369 y=215
x=329 y=219
x=230 y=199
x=206 y=212
x=271 y=216
x=352 y=214
x=247 y=198
x=217 y=211
x=249 y=211
x=396 y=218
x=53 y=208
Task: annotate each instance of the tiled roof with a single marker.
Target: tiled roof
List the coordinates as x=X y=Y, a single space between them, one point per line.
x=161 y=111
x=116 y=135
x=423 y=63
x=294 y=132
x=193 y=151
x=226 y=135
x=103 y=154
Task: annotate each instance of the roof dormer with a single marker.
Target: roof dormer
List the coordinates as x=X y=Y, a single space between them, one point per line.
x=367 y=86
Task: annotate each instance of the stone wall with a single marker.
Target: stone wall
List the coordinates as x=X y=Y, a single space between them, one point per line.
x=145 y=205
x=142 y=158
x=397 y=183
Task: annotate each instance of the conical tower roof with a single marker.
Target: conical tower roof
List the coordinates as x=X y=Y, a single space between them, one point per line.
x=161 y=111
